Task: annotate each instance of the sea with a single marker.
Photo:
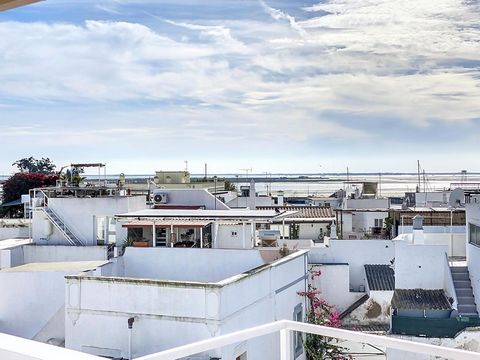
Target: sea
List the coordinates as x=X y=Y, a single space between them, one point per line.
x=324 y=184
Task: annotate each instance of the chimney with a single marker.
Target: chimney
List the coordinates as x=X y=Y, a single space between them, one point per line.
x=252 y=195
x=418 y=235
x=333 y=230
x=280 y=201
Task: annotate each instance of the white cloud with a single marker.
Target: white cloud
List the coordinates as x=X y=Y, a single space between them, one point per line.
x=281 y=15
x=415 y=61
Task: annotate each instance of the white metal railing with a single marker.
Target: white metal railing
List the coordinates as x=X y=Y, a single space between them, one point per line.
x=12 y=347
x=286 y=327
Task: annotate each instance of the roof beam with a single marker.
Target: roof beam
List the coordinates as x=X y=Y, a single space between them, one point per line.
x=10 y=4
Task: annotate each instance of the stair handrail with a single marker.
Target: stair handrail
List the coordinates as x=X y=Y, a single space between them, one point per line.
x=58 y=226
x=63 y=226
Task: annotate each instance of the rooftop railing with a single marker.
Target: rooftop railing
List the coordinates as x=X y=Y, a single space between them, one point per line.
x=286 y=329
x=17 y=348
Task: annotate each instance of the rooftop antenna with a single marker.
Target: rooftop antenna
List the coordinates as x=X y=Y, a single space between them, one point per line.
x=246 y=171
x=380 y=184
x=418 y=173
x=186 y=165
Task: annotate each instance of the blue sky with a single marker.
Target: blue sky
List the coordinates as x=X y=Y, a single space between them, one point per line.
x=279 y=86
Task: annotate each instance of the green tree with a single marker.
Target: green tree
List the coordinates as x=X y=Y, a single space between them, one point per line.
x=74 y=176
x=32 y=165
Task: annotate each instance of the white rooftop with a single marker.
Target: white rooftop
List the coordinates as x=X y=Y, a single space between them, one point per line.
x=206 y=214
x=79 y=266
x=10 y=243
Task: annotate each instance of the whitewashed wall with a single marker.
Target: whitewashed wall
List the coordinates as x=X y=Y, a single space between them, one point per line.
x=79 y=213
x=29 y=300
x=169 y=314
x=193 y=197
x=227 y=240
x=419 y=266
x=54 y=253
x=334 y=285
x=183 y=264
x=312 y=231
x=11 y=257
x=473 y=252
x=14 y=232
x=356 y=253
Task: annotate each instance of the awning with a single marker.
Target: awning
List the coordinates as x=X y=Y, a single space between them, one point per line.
x=168 y=223
x=12 y=203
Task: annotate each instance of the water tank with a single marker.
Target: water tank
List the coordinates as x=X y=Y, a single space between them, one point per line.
x=47 y=228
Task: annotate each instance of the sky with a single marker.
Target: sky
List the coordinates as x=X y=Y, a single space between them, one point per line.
x=292 y=86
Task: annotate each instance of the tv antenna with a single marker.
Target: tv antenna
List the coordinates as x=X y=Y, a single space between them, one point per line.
x=247 y=171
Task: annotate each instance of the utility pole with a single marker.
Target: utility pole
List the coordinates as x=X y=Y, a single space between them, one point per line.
x=247 y=171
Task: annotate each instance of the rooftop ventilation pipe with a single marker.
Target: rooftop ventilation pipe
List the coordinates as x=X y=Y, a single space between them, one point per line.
x=130 y=329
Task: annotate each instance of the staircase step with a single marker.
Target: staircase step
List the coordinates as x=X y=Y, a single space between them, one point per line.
x=461 y=276
x=458 y=269
x=462 y=284
x=470 y=309
x=466 y=300
x=464 y=292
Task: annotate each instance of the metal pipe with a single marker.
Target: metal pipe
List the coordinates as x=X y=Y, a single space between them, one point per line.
x=130 y=322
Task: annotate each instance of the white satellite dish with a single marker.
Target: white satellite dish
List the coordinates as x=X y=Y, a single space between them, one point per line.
x=457 y=198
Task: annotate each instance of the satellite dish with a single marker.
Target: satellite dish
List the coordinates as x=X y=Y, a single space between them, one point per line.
x=457 y=198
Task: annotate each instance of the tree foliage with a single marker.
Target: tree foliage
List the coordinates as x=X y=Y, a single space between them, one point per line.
x=32 y=165
x=20 y=184
x=74 y=176
x=321 y=313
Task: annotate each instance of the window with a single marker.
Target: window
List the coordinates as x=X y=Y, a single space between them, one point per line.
x=297 y=339
x=379 y=223
x=474 y=234
x=234 y=233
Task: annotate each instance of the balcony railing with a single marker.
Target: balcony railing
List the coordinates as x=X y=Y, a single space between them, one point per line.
x=16 y=348
x=286 y=329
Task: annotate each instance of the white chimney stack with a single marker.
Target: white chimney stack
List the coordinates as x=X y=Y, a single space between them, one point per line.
x=280 y=199
x=418 y=234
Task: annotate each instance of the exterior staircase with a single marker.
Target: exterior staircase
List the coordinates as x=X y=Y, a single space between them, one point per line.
x=62 y=227
x=463 y=288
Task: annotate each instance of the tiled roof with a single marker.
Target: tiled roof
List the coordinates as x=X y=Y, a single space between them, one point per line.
x=304 y=212
x=420 y=299
x=380 y=277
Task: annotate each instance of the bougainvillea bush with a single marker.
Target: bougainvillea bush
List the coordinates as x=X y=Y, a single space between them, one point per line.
x=321 y=313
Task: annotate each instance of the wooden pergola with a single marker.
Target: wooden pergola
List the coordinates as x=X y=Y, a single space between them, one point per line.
x=10 y=4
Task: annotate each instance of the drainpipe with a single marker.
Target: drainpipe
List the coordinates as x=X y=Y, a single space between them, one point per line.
x=130 y=328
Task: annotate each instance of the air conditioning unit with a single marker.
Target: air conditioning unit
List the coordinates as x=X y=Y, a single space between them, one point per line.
x=160 y=198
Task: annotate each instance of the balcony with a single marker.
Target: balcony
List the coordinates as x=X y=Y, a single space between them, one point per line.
x=13 y=348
